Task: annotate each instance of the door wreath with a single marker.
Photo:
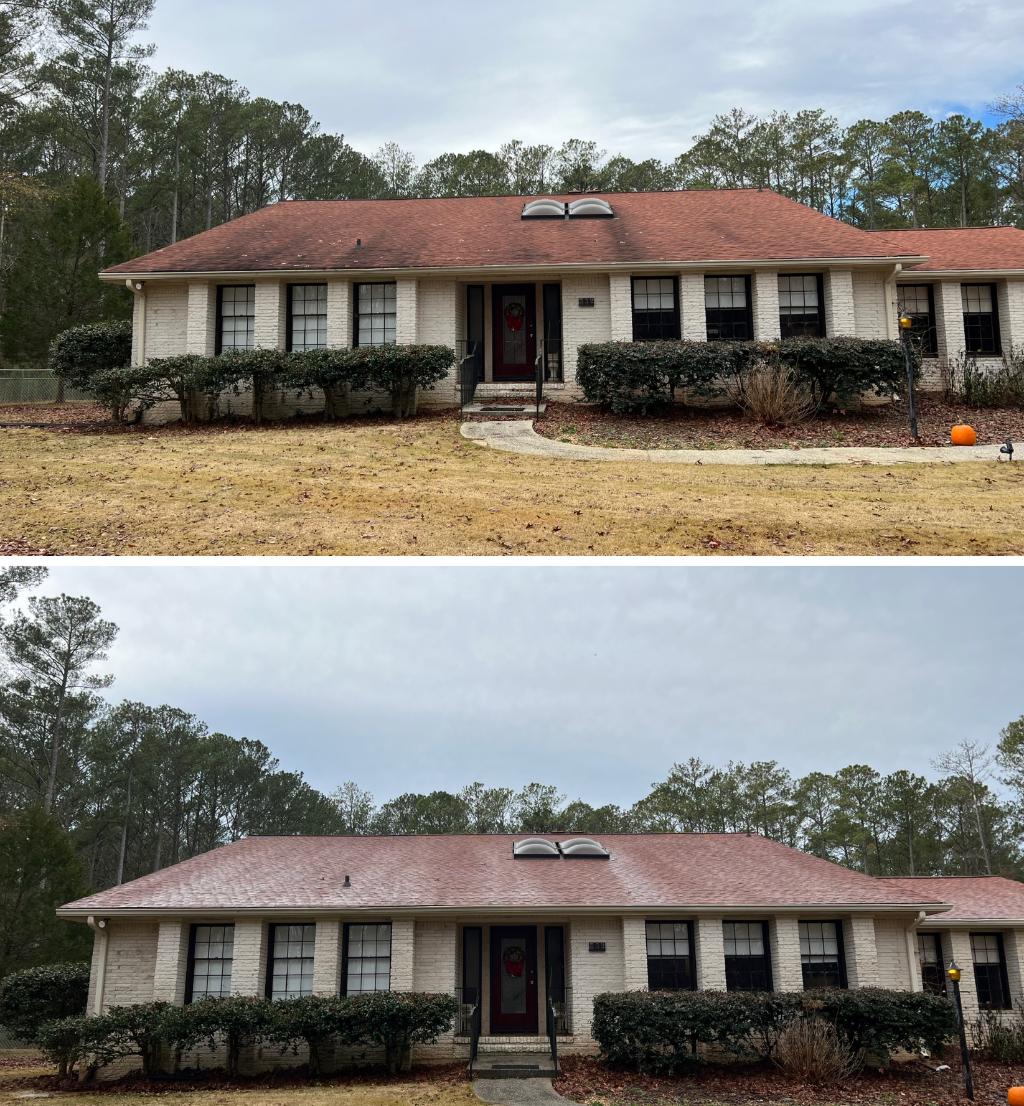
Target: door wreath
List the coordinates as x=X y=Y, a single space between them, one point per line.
x=515 y=315
x=513 y=960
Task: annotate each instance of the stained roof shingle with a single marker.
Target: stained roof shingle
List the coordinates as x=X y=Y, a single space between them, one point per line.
x=477 y=872
x=981 y=249
x=974 y=898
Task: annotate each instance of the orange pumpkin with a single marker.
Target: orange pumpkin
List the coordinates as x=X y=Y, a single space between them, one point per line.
x=962 y=434
x=1015 y=1096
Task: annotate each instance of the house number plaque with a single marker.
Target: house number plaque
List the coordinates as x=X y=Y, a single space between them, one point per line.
x=598 y=946
x=586 y=301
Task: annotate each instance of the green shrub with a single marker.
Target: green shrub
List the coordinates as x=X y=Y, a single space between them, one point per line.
x=238 y=1021
x=140 y=1030
x=78 y=354
x=259 y=370
x=333 y=371
x=34 y=996
x=990 y=384
x=126 y=387
x=195 y=381
x=312 y=1021
x=79 y=1043
x=877 y=1022
x=658 y=1031
x=402 y=371
x=641 y=376
x=395 y=1021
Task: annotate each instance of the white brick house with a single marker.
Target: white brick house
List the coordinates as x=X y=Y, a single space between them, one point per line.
x=521 y=926
x=517 y=281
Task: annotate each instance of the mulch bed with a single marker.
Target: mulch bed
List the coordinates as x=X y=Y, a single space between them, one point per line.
x=697 y=428
x=135 y=1083
x=917 y=1084
x=54 y=416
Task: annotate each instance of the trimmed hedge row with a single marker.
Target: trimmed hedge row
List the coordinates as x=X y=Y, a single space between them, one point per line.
x=34 y=996
x=658 y=1031
x=97 y=358
x=392 y=1021
x=639 y=376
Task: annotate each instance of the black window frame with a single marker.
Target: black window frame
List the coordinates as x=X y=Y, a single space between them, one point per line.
x=735 y=313
x=346 y=959
x=690 y=971
x=290 y=315
x=743 y=971
x=272 y=940
x=819 y=314
x=923 y=328
x=986 y=972
x=356 y=316
x=933 y=973
x=218 y=347
x=668 y=324
x=190 y=967
x=841 y=982
x=993 y=339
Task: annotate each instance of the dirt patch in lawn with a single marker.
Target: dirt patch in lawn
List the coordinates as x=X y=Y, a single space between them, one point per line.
x=696 y=428
x=917 y=1084
x=56 y=416
x=382 y=488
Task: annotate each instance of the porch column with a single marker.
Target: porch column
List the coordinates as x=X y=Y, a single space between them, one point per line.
x=949 y=320
x=787 y=969
x=405 y=311
x=200 y=335
x=840 y=315
x=621 y=291
x=1010 y=298
x=171 y=962
x=340 y=318
x=403 y=940
x=765 y=292
x=710 y=939
x=634 y=949
x=248 y=969
x=327 y=957
x=269 y=328
x=692 y=310
x=861 y=952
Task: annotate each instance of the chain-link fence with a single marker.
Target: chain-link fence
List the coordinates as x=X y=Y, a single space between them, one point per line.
x=34 y=386
x=8 y=1040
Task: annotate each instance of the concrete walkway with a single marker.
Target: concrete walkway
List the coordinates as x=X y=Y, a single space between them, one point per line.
x=516 y=1092
x=518 y=436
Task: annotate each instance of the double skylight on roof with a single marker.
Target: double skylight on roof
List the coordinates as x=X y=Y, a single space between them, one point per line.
x=572 y=848
x=587 y=207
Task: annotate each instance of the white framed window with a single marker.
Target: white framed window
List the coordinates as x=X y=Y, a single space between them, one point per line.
x=376 y=307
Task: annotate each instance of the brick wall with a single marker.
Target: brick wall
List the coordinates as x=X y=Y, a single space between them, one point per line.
x=894 y=970
x=593 y=972
x=634 y=954
x=437 y=324
x=131 y=963
x=620 y=291
x=840 y=307
x=581 y=325
x=710 y=941
x=784 y=938
x=764 y=287
x=869 y=305
x=692 y=308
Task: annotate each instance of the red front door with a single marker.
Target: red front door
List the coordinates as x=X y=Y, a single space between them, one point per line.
x=513 y=979
x=514 y=327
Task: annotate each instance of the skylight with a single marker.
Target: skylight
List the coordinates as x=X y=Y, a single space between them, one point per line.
x=544 y=209
x=535 y=846
x=583 y=846
x=590 y=207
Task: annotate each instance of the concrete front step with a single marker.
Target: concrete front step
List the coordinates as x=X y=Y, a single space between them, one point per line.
x=514 y=1065
x=513 y=1044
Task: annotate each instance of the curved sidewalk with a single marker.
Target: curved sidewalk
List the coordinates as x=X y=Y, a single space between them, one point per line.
x=518 y=436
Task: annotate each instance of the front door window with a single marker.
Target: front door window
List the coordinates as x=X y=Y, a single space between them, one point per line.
x=514 y=979
x=514 y=324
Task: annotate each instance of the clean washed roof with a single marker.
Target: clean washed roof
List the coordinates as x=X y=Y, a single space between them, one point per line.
x=959 y=249
x=479 y=872
x=741 y=225
x=974 y=898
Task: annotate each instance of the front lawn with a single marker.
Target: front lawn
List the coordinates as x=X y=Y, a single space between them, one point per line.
x=374 y=487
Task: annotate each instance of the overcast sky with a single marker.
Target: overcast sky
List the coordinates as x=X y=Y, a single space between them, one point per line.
x=594 y=678
x=640 y=77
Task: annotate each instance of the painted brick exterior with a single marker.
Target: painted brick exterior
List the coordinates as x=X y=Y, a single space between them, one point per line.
x=436 y=325
x=249 y=969
x=634 y=954
x=840 y=307
x=894 y=971
x=869 y=305
x=583 y=324
x=172 y=962
x=403 y=944
x=593 y=972
x=269 y=329
x=784 y=938
x=131 y=963
x=620 y=290
x=692 y=307
x=1010 y=296
x=340 y=317
x=861 y=952
x=710 y=940
x=202 y=319
x=327 y=957
x=764 y=288
x=406 y=311
x=949 y=320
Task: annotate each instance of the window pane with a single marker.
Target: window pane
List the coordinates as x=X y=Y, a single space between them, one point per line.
x=368 y=963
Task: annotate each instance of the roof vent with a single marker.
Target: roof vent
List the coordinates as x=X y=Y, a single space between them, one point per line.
x=544 y=209
x=583 y=847
x=590 y=208
x=535 y=847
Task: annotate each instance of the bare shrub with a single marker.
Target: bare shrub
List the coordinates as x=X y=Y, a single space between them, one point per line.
x=772 y=394
x=812 y=1050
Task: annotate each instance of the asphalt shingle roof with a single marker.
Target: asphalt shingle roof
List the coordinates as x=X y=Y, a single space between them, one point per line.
x=974 y=898
x=983 y=249
x=475 y=872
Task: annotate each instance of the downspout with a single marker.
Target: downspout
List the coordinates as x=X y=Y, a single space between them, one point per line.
x=138 y=290
x=99 y=927
x=893 y=313
x=912 y=963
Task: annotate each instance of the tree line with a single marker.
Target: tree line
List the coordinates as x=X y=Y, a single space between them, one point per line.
x=102 y=156
x=95 y=792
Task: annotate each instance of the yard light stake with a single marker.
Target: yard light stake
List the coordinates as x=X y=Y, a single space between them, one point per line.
x=906 y=323
x=953 y=973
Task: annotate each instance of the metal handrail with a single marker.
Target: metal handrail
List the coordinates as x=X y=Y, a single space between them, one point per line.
x=552 y=1034
x=469 y=370
x=475 y=1025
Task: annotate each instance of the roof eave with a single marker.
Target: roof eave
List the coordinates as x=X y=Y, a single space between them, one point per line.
x=721 y=264
x=970 y=274
x=73 y=913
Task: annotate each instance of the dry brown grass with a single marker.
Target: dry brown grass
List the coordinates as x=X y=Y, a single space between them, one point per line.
x=421 y=489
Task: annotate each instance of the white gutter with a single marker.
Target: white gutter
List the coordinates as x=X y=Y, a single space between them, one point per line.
x=138 y=290
x=99 y=927
x=455 y=269
x=964 y=274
